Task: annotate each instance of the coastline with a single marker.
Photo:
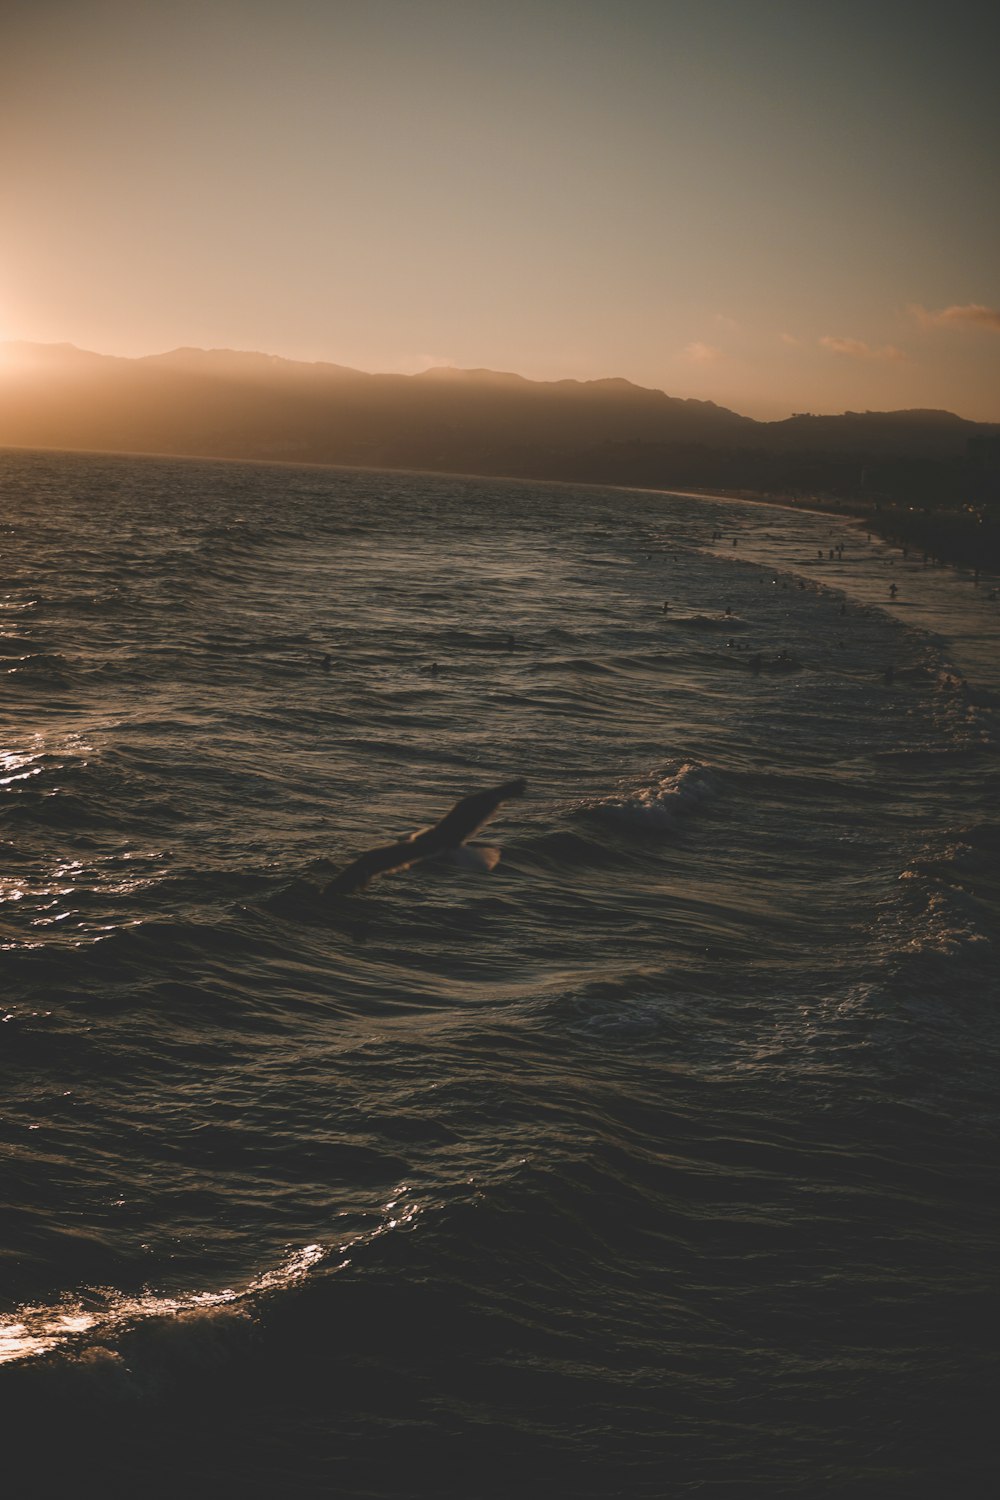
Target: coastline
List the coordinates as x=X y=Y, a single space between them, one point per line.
x=951 y=603
x=964 y=538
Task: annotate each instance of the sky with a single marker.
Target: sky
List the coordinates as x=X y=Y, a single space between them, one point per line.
x=778 y=205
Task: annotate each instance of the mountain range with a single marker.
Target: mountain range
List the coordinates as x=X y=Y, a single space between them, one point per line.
x=228 y=404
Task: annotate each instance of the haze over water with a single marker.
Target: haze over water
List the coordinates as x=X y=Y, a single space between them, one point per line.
x=658 y=1161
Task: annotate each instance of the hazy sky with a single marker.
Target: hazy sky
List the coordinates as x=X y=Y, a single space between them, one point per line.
x=775 y=204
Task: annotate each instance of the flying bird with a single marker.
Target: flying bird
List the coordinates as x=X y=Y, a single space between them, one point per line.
x=447 y=837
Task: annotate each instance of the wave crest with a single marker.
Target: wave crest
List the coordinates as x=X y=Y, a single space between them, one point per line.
x=661 y=802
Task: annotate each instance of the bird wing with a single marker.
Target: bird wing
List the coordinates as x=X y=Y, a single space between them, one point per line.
x=465 y=818
x=469 y=815
x=382 y=861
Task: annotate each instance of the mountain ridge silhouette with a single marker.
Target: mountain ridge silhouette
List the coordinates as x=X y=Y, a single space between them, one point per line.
x=245 y=404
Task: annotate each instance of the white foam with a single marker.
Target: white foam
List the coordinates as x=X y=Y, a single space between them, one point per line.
x=661 y=802
x=35 y=1330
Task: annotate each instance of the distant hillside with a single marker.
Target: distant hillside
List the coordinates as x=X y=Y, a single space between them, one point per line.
x=230 y=404
x=932 y=432
x=222 y=403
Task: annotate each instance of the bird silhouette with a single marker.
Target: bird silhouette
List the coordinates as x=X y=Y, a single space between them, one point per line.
x=448 y=837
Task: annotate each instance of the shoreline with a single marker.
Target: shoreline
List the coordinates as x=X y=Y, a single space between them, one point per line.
x=940 y=598
x=965 y=538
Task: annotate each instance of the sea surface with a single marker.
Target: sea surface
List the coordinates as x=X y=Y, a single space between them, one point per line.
x=661 y=1161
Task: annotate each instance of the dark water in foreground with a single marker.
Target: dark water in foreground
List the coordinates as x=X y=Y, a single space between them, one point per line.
x=661 y=1161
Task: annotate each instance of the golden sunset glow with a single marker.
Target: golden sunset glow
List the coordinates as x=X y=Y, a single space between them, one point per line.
x=768 y=206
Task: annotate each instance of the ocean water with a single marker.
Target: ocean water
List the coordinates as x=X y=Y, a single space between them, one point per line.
x=661 y=1161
